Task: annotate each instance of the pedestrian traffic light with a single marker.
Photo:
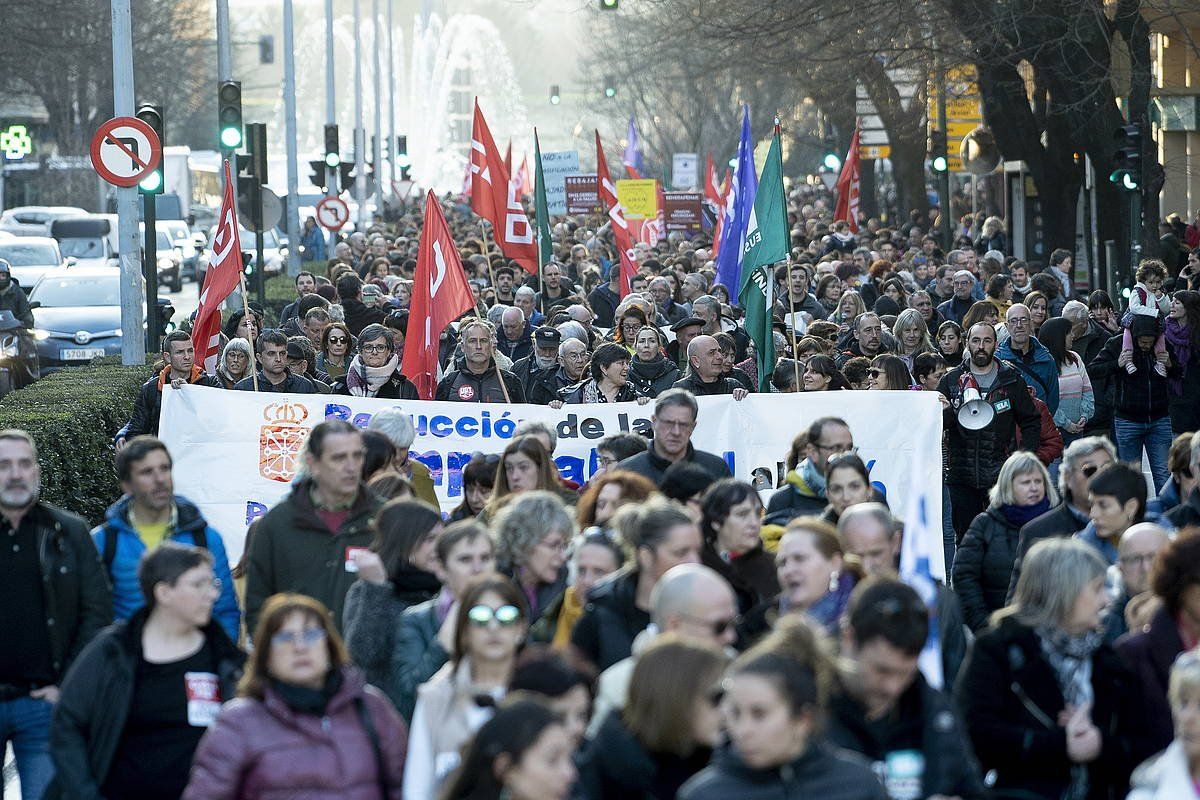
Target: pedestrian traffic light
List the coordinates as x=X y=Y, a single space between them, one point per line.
x=609 y=5
x=610 y=87
x=937 y=151
x=229 y=114
x=555 y=96
x=333 y=154
x=1127 y=160
x=345 y=175
x=152 y=115
x=318 y=173
x=256 y=145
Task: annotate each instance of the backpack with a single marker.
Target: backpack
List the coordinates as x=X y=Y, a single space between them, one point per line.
x=1127 y=317
x=110 y=547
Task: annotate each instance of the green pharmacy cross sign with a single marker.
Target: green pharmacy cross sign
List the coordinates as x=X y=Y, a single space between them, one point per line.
x=15 y=142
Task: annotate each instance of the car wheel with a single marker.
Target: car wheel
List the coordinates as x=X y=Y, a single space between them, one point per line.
x=177 y=283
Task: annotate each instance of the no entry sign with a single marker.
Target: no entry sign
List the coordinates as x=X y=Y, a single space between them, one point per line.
x=333 y=213
x=125 y=150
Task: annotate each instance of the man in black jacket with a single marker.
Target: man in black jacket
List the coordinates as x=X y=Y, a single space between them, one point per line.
x=544 y=357
x=179 y=356
x=55 y=598
x=704 y=376
x=358 y=314
x=274 y=375
x=306 y=283
x=545 y=386
x=884 y=709
x=478 y=379
x=975 y=456
x=674 y=419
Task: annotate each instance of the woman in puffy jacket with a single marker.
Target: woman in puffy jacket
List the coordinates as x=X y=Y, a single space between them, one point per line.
x=650 y=371
x=305 y=723
x=984 y=562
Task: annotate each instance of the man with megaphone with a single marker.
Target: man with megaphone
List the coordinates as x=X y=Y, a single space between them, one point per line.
x=988 y=402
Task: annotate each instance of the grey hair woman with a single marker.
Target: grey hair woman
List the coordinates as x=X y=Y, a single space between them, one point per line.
x=1042 y=694
x=532 y=535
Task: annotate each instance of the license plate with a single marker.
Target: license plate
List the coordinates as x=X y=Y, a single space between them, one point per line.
x=80 y=353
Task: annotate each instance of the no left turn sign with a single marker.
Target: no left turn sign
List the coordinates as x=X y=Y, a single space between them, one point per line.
x=333 y=213
x=125 y=150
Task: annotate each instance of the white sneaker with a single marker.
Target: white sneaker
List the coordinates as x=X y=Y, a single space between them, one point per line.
x=1131 y=368
x=1160 y=368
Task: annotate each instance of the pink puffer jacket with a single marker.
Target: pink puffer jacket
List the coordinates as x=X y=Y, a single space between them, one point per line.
x=263 y=750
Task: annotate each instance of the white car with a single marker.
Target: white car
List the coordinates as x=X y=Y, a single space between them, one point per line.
x=31 y=257
x=35 y=220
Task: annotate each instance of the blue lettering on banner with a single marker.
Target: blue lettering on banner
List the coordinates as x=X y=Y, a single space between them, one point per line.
x=254 y=511
x=466 y=427
x=571 y=468
x=441 y=426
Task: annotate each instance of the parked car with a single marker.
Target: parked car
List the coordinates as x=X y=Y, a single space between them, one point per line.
x=89 y=239
x=31 y=257
x=274 y=253
x=77 y=315
x=35 y=220
x=169 y=258
x=181 y=240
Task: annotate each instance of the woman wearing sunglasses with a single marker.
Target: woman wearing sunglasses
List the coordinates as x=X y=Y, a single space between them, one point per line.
x=305 y=723
x=336 y=342
x=668 y=729
x=462 y=696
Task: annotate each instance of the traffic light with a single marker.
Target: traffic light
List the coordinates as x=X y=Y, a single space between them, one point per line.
x=229 y=114
x=610 y=87
x=609 y=5
x=403 y=162
x=1127 y=160
x=333 y=153
x=937 y=151
x=266 y=49
x=256 y=135
x=555 y=96
x=831 y=161
x=248 y=187
x=345 y=174
x=318 y=174
x=152 y=115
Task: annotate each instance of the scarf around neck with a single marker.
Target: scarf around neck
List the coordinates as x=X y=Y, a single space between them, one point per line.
x=1019 y=515
x=1180 y=338
x=364 y=381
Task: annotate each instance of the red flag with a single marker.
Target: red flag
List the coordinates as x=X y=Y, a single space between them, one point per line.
x=508 y=158
x=848 y=183
x=493 y=197
x=620 y=226
x=633 y=173
x=712 y=189
x=223 y=275
x=440 y=295
x=524 y=184
x=720 y=226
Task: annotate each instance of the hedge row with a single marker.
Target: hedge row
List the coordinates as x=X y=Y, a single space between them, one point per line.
x=73 y=415
x=281 y=290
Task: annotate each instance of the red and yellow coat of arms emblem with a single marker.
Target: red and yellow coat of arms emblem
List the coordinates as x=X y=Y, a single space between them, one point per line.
x=281 y=440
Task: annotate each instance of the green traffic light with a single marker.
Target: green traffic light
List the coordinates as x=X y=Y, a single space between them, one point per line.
x=610 y=91
x=1125 y=179
x=332 y=160
x=832 y=162
x=938 y=164
x=151 y=182
x=231 y=137
x=1129 y=182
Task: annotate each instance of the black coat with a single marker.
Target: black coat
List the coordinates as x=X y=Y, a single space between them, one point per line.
x=652 y=378
x=822 y=773
x=292 y=384
x=611 y=620
x=96 y=695
x=1009 y=696
x=359 y=316
x=464 y=386
x=615 y=764
x=547 y=385
x=921 y=713
x=1059 y=522
x=77 y=598
x=1186 y=513
x=693 y=384
x=147 y=408
x=1143 y=396
x=1088 y=347
x=983 y=566
x=974 y=458
x=604 y=302
x=1185 y=407
x=650 y=465
x=1150 y=654
x=751 y=575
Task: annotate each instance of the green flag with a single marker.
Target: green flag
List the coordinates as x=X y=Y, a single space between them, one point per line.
x=545 y=243
x=766 y=244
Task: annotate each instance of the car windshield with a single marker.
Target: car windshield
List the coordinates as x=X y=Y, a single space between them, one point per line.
x=28 y=255
x=164 y=241
x=177 y=231
x=82 y=248
x=66 y=291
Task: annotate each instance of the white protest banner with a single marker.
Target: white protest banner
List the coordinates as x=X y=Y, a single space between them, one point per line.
x=236 y=453
x=556 y=166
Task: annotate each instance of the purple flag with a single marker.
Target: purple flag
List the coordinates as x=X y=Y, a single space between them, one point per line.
x=737 y=212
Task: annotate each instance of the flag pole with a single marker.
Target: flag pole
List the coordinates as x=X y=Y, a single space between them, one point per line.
x=246 y=312
x=487 y=258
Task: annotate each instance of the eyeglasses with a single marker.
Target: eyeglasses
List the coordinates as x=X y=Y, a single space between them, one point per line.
x=836 y=448
x=874 y=373
x=1018 y=322
x=374 y=348
x=338 y=340
x=307 y=637
x=1138 y=560
x=482 y=616
x=1089 y=470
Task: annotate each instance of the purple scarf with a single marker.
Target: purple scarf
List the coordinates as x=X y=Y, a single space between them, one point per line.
x=1180 y=338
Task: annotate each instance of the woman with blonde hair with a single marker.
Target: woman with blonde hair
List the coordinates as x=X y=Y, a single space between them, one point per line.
x=1174 y=774
x=984 y=562
x=912 y=336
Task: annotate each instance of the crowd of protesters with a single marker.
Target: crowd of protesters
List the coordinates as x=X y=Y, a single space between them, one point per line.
x=664 y=630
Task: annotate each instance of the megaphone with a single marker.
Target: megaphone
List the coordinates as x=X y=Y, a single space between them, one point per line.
x=975 y=412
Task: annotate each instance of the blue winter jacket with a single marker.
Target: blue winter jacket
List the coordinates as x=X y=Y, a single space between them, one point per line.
x=1038 y=369
x=127 y=594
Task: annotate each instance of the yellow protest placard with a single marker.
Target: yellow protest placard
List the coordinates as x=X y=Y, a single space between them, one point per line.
x=639 y=198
